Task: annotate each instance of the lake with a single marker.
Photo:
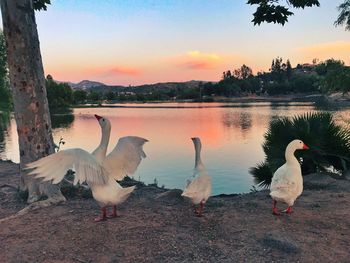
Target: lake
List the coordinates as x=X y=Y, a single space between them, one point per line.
x=231 y=134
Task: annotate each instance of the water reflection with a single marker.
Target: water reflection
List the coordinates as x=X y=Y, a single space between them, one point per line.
x=62 y=120
x=245 y=120
x=231 y=136
x=238 y=120
x=242 y=120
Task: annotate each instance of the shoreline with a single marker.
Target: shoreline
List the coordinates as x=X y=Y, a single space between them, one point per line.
x=158 y=225
x=333 y=100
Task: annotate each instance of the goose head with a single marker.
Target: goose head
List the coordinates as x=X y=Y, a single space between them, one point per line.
x=104 y=123
x=297 y=145
x=292 y=147
x=197 y=143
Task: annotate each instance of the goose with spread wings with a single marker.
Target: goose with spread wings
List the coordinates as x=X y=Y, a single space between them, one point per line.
x=99 y=171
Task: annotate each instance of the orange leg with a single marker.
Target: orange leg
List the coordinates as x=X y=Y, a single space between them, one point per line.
x=104 y=215
x=274 y=208
x=114 y=213
x=199 y=211
x=289 y=210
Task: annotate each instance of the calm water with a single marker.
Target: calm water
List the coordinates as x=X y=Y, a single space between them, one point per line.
x=231 y=135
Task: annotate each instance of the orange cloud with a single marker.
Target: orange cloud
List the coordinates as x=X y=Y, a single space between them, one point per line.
x=338 y=50
x=197 y=60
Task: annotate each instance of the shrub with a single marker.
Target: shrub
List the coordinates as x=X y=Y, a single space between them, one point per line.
x=329 y=145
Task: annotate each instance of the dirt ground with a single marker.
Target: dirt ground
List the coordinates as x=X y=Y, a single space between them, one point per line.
x=157 y=225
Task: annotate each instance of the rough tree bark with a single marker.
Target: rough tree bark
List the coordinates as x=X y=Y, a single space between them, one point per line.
x=29 y=93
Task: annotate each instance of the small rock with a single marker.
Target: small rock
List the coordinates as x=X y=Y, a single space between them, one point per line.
x=119 y=254
x=173 y=196
x=280 y=241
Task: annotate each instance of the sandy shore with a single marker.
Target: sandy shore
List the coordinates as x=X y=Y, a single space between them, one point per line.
x=157 y=225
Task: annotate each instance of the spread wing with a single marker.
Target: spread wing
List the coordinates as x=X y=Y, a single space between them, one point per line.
x=125 y=157
x=55 y=166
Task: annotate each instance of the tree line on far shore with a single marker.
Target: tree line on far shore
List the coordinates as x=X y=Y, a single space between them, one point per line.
x=317 y=77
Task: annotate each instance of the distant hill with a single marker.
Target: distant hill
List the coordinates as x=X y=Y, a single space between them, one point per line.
x=86 y=84
x=101 y=87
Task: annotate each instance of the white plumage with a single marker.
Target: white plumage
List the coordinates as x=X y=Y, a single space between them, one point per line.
x=97 y=170
x=287 y=181
x=55 y=166
x=125 y=157
x=199 y=189
x=111 y=193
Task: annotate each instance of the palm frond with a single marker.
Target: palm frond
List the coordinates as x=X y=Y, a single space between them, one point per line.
x=329 y=144
x=262 y=174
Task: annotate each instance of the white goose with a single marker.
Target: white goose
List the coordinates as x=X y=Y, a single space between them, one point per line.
x=287 y=181
x=199 y=189
x=97 y=170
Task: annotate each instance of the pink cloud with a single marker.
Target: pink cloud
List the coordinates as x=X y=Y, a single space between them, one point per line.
x=122 y=70
x=198 y=65
x=105 y=72
x=199 y=61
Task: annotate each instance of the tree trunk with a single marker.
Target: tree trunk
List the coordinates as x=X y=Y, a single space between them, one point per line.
x=29 y=93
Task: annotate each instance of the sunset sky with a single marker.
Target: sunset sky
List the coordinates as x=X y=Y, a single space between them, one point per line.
x=148 y=41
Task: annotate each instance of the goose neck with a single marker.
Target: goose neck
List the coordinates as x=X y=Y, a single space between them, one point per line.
x=198 y=160
x=104 y=140
x=289 y=155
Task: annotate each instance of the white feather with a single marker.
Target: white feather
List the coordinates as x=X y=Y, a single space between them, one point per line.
x=111 y=193
x=125 y=157
x=55 y=166
x=199 y=189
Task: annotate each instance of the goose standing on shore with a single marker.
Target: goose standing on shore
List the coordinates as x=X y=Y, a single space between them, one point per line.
x=99 y=171
x=287 y=181
x=199 y=189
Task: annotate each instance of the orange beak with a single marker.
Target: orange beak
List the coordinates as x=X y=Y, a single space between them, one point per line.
x=98 y=117
x=305 y=147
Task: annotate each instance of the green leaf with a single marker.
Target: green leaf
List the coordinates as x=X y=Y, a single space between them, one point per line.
x=344 y=15
x=271 y=14
x=304 y=3
x=271 y=11
x=41 y=4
